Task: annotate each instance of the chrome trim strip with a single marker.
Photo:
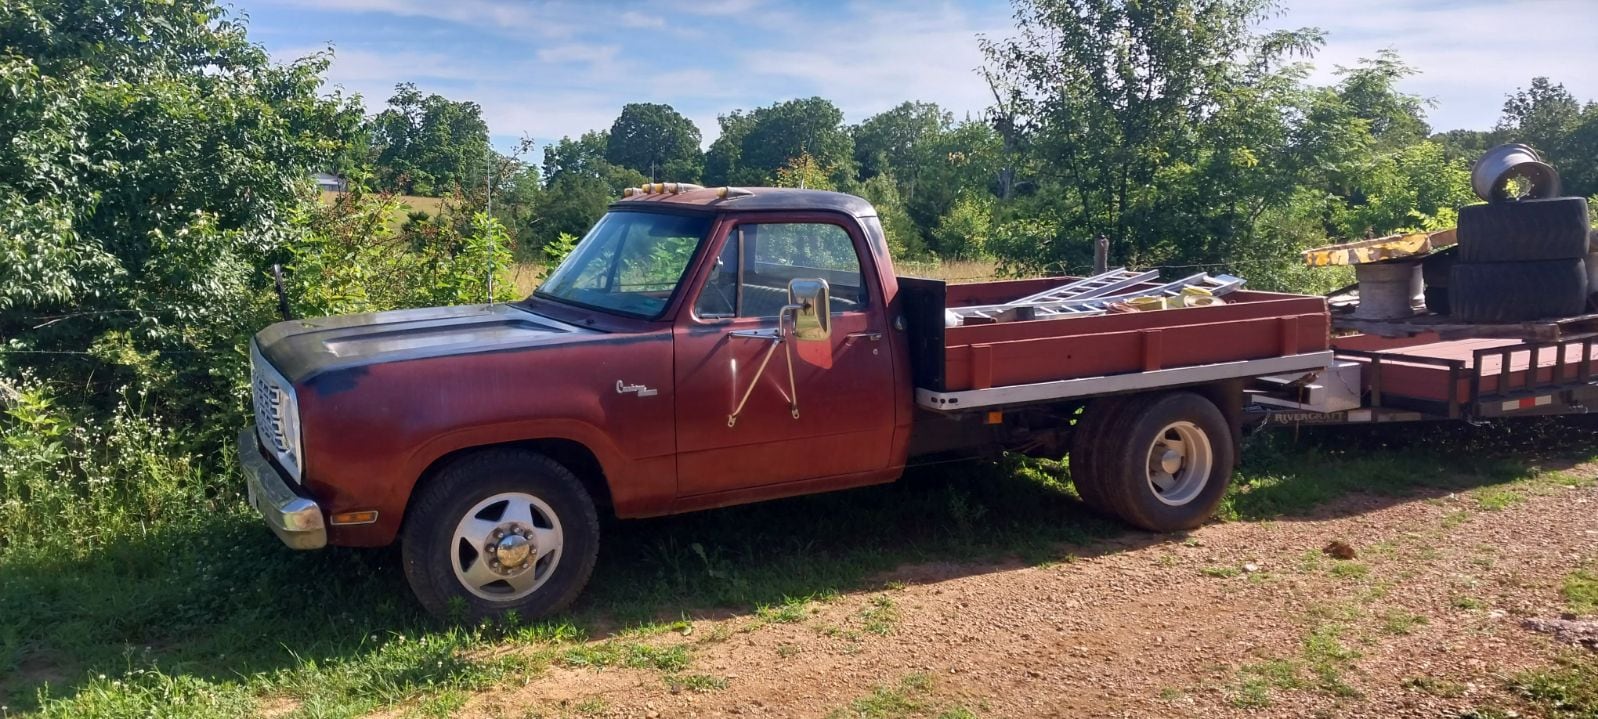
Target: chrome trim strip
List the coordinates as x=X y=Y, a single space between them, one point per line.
x=294 y=519
x=1109 y=384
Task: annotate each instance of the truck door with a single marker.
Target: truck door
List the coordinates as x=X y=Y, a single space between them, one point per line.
x=844 y=385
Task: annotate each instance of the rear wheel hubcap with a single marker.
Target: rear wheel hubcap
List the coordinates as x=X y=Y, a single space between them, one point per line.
x=1180 y=462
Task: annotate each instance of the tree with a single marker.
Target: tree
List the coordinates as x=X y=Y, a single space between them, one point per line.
x=1547 y=117
x=896 y=140
x=657 y=141
x=1540 y=115
x=1122 y=100
x=722 y=159
x=579 y=184
x=429 y=145
x=153 y=160
x=1369 y=90
x=786 y=130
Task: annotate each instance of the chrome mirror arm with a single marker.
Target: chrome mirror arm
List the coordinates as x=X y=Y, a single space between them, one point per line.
x=775 y=337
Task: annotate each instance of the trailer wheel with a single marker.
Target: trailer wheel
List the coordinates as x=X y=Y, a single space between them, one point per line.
x=1167 y=462
x=1524 y=230
x=500 y=532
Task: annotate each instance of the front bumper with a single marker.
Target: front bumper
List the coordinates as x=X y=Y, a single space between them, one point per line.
x=294 y=519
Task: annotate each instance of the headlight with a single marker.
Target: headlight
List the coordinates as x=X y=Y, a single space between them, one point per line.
x=277 y=413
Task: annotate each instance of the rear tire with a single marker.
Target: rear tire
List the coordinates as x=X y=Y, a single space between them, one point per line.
x=1524 y=230
x=1518 y=291
x=1086 y=472
x=498 y=532
x=1166 y=462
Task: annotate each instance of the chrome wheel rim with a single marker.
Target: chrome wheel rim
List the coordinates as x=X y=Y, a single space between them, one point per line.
x=1180 y=461
x=506 y=547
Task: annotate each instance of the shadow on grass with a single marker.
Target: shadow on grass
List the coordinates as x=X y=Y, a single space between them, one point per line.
x=220 y=601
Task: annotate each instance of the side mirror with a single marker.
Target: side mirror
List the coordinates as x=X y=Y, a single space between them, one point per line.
x=811 y=301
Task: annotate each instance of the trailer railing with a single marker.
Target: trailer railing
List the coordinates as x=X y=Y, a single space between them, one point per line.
x=1568 y=378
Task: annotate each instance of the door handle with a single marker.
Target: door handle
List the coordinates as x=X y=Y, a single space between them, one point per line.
x=873 y=336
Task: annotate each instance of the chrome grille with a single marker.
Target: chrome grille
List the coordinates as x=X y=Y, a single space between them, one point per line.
x=276 y=413
x=269 y=411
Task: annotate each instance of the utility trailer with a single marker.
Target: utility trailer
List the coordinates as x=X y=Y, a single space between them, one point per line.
x=1426 y=377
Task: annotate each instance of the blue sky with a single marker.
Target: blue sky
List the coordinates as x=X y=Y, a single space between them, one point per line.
x=548 y=69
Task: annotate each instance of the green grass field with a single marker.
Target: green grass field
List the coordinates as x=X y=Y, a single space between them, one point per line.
x=215 y=618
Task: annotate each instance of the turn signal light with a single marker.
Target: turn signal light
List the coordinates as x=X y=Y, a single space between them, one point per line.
x=365 y=516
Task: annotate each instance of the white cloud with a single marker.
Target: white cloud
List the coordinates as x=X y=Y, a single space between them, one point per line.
x=1469 y=55
x=633 y=18
x=492 y=15
x=874 y=59
x=581 y=53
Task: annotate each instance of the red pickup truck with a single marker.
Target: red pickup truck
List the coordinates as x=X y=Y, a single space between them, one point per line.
x=708 y=347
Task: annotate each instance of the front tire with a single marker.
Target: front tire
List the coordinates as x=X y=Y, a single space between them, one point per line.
x=499 y=532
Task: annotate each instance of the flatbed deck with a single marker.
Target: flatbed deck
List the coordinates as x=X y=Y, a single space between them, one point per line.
x=1009 y=363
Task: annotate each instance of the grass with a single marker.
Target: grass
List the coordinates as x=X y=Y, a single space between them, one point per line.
x=211 y=616
x=1350 y=569
x=1445 y=688
x=880 y=616
x=1580 y=590
x=697 y=683
x=1568 y=689
x=911 y=696
x=951 y=271
x=1257 y=681
x=790 y=611
x=1400 y=622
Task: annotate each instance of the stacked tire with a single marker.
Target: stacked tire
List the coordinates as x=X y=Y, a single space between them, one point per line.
x=1521 y=260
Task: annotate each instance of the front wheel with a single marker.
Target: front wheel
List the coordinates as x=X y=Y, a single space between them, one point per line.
x=1167 y=462
x=500 y=532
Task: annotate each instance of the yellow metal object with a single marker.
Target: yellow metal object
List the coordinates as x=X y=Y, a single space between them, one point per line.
x=1391 y=247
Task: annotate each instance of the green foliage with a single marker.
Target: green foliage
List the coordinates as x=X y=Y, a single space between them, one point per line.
x=144 y=190
x=963 y=232
x=429 y=145
x=84 y=481
x=804 y=171
x=556 y=252
x=656 y=141
x=769 y=138
x=1569 y=689
x=579 y=184
x=351 y=261
x=904 y=238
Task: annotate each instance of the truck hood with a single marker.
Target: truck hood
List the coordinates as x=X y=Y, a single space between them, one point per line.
x=303 y=349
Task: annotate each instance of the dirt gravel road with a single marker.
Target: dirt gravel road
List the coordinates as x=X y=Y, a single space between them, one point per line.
x=1234 y=619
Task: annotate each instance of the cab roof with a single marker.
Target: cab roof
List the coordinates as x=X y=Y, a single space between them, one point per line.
x=747 y=199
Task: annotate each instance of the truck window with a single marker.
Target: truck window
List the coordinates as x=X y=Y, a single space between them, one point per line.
x=770 y=255
x=629 y=263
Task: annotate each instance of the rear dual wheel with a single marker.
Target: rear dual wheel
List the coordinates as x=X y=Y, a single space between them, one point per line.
x=1161 y=462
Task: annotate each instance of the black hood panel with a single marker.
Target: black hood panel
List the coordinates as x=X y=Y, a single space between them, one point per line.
x=302 y=349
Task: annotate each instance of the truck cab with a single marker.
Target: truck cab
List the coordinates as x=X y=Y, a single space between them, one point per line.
x=709 y=347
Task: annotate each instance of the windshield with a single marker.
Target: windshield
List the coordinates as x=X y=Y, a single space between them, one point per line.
x=629 y=263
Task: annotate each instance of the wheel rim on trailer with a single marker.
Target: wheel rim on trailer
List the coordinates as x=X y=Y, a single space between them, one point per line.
x=1180 y=460
x=506 y=547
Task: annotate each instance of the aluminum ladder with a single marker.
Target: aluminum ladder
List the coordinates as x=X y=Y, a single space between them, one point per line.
x=1093 y=296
